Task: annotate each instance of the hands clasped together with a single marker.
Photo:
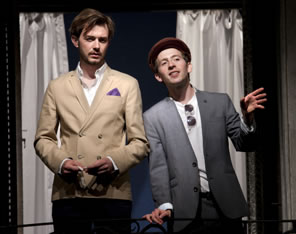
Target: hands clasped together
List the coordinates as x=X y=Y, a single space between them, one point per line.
x=100 y=166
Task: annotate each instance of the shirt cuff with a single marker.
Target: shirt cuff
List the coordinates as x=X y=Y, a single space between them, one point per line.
x=62 y=163
x=114 y=165
x=166 y=206
x=247 y=129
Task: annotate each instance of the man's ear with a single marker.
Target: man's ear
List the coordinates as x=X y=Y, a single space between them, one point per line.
x=189 y=67
x=158 y=78
x=74 y=40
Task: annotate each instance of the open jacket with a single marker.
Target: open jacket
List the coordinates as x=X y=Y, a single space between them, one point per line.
x=173 y=167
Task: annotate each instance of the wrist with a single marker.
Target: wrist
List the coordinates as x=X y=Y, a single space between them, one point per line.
x=248 y=118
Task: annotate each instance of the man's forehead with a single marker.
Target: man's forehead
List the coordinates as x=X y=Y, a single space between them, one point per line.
x=102 y=29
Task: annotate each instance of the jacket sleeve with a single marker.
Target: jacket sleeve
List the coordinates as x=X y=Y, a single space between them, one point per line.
x=46 y=141
x=137 y=146
x=158 y=167
x=242 y=140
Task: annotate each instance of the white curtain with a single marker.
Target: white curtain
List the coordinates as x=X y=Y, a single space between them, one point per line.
x=216 y=42
x=43 y=57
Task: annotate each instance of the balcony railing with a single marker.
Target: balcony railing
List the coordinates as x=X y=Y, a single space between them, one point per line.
x=142 y=226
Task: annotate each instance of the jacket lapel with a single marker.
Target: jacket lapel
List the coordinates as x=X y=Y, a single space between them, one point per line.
x=204 y=116
x=172 y=117
x=177 y=132
x=76 y=85
x=102 y=90
x=100 y=94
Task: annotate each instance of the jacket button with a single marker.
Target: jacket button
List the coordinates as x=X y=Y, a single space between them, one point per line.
x=194 y=164
x=80 y=156
x=81 y=134
x=195 y=189
x=100 y=136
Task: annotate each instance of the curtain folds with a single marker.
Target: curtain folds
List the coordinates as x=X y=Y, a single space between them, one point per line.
x=43 y=57
x=216 y=41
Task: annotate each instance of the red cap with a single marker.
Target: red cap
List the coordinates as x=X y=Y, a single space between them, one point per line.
x=166 y=43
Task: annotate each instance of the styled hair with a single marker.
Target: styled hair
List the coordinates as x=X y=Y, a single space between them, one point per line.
x=87 y=19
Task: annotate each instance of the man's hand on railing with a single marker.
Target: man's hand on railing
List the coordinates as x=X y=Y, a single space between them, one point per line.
x=158 y=216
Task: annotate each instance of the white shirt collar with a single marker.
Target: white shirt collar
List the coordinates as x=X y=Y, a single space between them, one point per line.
x=99 y=72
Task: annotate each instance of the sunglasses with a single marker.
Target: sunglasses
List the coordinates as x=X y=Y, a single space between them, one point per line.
x=189 y=112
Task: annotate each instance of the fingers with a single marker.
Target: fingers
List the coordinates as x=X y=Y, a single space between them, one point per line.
x=148 y=218
x=251 y=97
x=100 y=166
x=253 y=101
x=157 y=216
x=166 y=213
x=261 y=95
x=260 y=107
x=71 y=166
x=257 y=91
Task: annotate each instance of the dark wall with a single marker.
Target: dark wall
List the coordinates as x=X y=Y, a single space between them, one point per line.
x=262 y=26
x=135 y=34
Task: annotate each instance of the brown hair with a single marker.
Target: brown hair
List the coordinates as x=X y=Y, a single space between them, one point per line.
x=87 y=19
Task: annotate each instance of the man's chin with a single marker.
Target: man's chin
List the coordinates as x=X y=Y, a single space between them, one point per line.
x=95 y=62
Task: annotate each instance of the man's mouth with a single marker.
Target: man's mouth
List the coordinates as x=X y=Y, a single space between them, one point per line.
x=174 y=73
x=95 y=55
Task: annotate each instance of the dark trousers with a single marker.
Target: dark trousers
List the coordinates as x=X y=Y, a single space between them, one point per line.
x=210 y=220
x=91 y=216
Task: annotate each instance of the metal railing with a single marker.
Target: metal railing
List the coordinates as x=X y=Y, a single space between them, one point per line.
x=142 y=226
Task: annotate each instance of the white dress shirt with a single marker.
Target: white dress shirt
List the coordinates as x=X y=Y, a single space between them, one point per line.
x=195 y=138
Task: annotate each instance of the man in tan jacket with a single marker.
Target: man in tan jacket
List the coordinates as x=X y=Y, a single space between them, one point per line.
x=99 y=112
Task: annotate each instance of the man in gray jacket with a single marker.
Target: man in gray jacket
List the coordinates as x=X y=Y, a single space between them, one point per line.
x=191 y=173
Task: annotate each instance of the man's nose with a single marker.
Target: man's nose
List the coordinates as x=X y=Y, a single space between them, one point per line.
x=97 y=44
x=171 y=64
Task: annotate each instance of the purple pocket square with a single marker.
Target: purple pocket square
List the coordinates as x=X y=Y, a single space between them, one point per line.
x=114 y=92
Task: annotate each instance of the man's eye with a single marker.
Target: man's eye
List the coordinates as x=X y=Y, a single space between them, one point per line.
x=103 y=40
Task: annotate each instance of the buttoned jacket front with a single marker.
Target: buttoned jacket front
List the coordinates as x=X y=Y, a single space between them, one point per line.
x=111 y=126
